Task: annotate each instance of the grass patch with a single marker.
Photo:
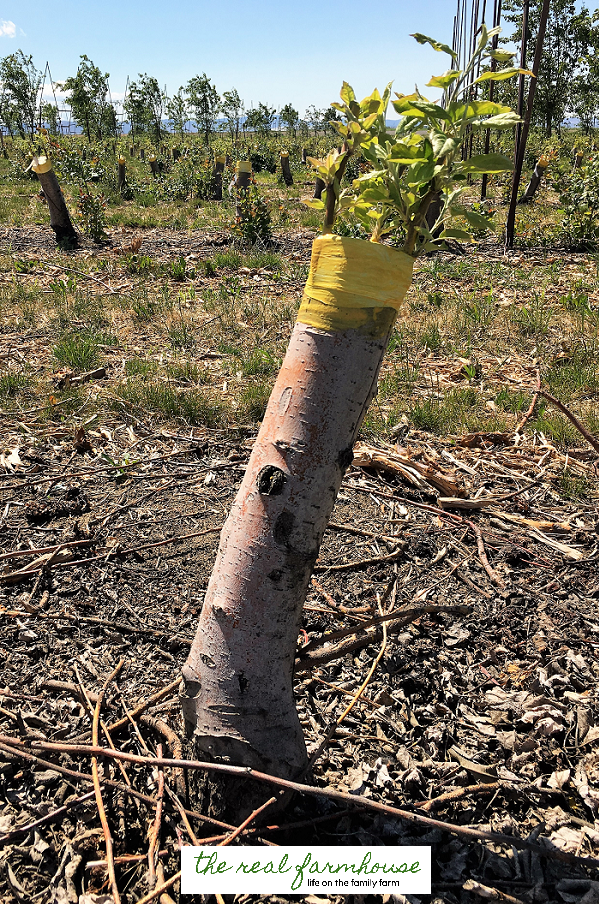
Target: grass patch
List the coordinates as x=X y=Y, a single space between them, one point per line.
x=192 y=406
x=188 y=372
x=260 y=362
x=12 y=383
x=253 y=400
x=135 y=367
x=79 y=351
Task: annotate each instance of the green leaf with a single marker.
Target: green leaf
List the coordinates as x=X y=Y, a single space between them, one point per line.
x=478 y=221
x=502 y=56
x=487 y=108
x=501 y=121
x=460 y=234
x=486 y=163
x=436 y=45
x=443 y=81
x=501 y=74
x=314 y=203
x=347 y=93
x=404 y=106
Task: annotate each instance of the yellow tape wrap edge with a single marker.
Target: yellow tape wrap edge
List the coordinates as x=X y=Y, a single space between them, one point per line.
x=354 y=284
x=41 y=165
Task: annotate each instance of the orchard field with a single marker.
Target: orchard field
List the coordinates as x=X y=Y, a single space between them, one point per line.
x=134 y=372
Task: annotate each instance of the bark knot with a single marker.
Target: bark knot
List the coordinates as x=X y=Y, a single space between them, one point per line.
x=271 y=481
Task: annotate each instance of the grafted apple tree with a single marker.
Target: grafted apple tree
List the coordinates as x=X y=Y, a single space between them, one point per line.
x=238 y=699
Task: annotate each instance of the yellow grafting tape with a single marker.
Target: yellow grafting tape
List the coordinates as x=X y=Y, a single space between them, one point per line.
x=354 y=284
x=41 y=165
x=122 y=161
x=221 y=159
x=244 y=166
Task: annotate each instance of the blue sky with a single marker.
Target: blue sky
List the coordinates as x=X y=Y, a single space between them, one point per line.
x=271 y=52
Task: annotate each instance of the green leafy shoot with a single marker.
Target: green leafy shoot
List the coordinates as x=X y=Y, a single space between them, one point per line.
x=416 y=170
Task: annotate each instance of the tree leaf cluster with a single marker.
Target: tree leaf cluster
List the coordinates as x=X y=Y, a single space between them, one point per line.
x=416 y=174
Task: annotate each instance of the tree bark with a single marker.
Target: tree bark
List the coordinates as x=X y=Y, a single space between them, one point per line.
x=217 y=179
x=238 y=701
x=153 y=164
x=535 y=180
x=243 y=178
x=60 y=220
x=319 y=187
x=122 y=175
x=286 y=169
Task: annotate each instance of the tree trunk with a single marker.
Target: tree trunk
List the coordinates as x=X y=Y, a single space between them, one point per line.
x=122 y=175
x=535 y=180
x=60 y=220
x=304 y=155
x=242 y=181
x=217 y=179
x=142 y=154
x=238 y=700
x=319 y=187
x=519 y=156
x=286 y=169
x=153 y=164
x=176 y=154
x=578 y=160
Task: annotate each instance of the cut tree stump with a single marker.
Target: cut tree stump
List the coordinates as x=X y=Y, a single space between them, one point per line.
x=60 y=221
x=217 y=179
x=535 y=181
x=121 y=175
x=286 y=169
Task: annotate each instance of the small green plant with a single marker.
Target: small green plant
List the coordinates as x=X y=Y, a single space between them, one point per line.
x=188 y=372
x=178 y=270
x=79 y=351
x=24 y=266
x=92 y=213
x=180 y=334
x=253 y=221
x=140 y=367
x=579 y=199
x=508 y=400
x=11 y=384
x=534 y=318
x=227 y=260
x=572 y=487
x=260 y=361
x=480 y=310
x=192 y=406
x=139 y=263
x=253 y=401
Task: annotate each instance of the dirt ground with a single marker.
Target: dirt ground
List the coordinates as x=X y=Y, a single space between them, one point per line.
x=483 y=717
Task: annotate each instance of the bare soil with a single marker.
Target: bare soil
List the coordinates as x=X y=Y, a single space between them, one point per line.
x=487 y=720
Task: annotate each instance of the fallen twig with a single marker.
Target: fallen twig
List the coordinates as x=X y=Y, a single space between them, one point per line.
x=494 y=576
x=572 y=418
x=155 y=832
x=49 y=817
x=364 y=563
x=152 y=895
x=346 y=798
x=246 y=822
x=314 y=655
x=98 y=788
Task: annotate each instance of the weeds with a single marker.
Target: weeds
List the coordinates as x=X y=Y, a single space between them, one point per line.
x=79 y=351
x=534 y=318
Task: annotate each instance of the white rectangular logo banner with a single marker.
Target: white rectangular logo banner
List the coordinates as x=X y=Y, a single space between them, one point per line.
x=255 y=869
